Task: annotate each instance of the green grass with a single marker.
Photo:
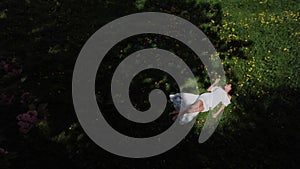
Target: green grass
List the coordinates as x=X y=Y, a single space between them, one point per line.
x=274 y=29
x=272 y=61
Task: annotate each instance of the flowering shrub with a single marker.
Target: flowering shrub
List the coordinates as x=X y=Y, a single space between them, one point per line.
x=27 y=120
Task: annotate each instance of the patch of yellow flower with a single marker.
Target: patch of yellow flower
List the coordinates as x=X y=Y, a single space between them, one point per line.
x=232 y=36
x=262 y=20
x=263 y=2
x=267 y=58
x=261 y=14
x=246 y=25
x=225 y=25
x=259 y=78
x=226 y=14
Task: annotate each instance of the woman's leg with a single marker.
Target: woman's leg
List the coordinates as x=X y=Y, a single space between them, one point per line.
x=196 y=107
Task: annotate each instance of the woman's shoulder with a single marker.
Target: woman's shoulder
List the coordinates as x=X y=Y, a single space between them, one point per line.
x=217 y=88
x=229 y=96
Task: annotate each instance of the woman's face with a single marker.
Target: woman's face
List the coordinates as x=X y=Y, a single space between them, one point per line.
x=227 y=88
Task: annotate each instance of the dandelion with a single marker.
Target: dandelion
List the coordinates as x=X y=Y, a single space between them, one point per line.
x=273 y=18
x=261 y=14
x=232 y=35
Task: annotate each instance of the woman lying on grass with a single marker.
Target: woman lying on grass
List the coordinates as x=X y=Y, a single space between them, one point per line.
x=193 y=104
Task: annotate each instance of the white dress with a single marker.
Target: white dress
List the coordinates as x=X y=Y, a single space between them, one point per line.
x=209 y=99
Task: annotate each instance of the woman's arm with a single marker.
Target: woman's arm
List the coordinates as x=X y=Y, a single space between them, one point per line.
x=216 y=82
x=219 y=111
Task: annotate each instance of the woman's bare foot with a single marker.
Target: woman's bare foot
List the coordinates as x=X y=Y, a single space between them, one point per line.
x=174 y=118
x=174 y=112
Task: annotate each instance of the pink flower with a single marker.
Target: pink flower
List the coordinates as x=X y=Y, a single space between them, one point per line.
x=26 y=117
x=23 y=124
x=27 y=120
x=32 y=113
x=33 y=119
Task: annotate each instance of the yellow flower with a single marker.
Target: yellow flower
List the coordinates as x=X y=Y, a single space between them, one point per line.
x=273 y=18
x=232 y=35
x=263 y=2
x=261 y=14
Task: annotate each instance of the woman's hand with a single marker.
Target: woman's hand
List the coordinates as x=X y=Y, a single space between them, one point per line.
x=217 y=81
x=212 y=85
x=219 y=111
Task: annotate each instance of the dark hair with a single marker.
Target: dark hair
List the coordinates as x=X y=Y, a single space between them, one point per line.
x=232 y=91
